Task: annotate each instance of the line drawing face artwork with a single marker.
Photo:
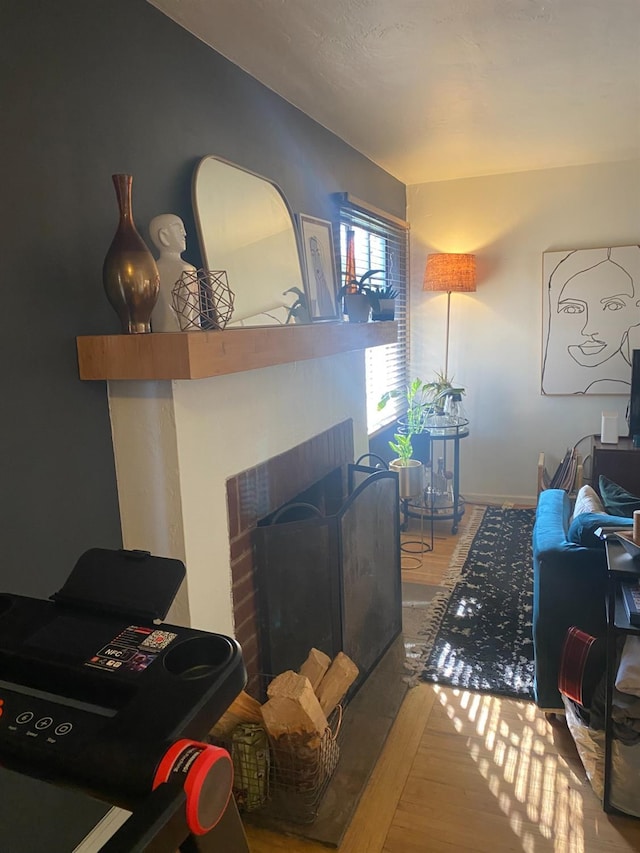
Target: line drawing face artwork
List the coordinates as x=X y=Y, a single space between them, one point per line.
x=591 y=320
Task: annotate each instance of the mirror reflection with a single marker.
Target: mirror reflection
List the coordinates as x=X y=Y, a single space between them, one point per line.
x=245 y=227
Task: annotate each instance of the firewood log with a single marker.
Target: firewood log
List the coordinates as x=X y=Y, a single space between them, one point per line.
x=243 y=709
x=315 y=667
x=296 y=726
x=338 y=679
x=292 y=706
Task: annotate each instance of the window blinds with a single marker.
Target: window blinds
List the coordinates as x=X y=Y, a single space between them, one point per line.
x=382 y=244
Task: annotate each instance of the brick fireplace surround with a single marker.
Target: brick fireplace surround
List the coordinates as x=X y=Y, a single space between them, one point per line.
x=259 y=491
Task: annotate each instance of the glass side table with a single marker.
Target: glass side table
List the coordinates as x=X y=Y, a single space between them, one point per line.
x=437 y=505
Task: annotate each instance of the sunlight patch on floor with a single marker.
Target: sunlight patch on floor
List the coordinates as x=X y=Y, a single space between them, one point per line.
x=530 y=782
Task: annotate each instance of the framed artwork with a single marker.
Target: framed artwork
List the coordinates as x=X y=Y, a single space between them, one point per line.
x=320 y=277
x=590 y=319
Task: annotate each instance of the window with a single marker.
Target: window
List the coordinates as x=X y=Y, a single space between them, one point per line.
x=381 y=243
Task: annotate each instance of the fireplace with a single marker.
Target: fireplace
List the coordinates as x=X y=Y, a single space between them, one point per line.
x=199 y=463
x=329 y=577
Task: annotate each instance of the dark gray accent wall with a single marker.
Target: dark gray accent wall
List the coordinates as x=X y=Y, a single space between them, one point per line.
x=89 y=89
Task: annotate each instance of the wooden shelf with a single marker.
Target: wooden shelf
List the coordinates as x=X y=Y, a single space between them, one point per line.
x=197 y=355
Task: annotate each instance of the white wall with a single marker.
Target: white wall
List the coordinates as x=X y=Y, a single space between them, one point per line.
x=176 y=444
x=496 y=333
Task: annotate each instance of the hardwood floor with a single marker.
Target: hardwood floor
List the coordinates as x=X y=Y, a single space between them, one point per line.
x=463 y=771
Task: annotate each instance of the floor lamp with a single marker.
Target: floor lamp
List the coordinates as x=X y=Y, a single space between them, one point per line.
x=449 y=272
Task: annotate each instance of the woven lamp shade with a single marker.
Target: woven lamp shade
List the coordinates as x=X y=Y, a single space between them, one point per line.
x=450 y=272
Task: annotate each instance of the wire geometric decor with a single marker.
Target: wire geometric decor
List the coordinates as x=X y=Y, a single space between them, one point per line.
x=202 y=299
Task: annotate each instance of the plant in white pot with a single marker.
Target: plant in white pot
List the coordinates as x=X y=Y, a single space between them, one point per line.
x=410 y=471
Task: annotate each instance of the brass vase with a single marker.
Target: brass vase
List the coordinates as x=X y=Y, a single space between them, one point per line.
x=129 y=274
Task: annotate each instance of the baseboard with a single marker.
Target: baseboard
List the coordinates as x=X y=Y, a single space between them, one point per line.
x=501 y=500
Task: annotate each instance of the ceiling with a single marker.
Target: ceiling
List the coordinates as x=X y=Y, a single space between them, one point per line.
x=440 y=89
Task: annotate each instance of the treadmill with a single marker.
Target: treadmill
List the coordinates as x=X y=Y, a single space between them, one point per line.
x=102 y=704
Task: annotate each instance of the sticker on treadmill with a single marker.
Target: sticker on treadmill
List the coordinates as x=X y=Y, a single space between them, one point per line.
x=139 y=662
x=116 y=652
x=108 y=664
x=133 y=650
x=158 y=640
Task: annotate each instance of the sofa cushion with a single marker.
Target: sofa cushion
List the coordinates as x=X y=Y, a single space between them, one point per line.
x=582 y=528
x=587 y=500
x=617 y=501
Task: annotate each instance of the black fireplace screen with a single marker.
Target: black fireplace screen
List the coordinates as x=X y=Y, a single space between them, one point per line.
x=332 y=582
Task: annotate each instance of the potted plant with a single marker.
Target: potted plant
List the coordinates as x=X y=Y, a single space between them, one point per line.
x=410 y=471
x=445 y=409
x=358 y=298
x=417 y=401
x=423 y=399
x=438 y=390
x=426 y=404
x=414 y=421
x=383 y=302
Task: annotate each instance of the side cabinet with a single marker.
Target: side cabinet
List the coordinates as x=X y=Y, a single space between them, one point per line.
x=619 y=463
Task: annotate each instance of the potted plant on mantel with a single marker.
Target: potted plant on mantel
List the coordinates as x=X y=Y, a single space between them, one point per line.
x=358 y=297
x=383 y=300
x=410 y=471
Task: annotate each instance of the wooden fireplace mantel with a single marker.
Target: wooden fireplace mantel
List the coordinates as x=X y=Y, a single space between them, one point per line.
x=197 y=355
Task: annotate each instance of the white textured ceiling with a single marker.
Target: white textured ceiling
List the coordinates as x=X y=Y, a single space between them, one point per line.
x=440 y=89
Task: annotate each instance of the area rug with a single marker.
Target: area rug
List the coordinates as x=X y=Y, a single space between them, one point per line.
x=477 y=632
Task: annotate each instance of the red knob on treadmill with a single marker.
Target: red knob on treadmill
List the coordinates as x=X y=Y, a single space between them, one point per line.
x=206 y=774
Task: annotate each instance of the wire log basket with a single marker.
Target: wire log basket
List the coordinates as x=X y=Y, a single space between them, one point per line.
x=284 y=777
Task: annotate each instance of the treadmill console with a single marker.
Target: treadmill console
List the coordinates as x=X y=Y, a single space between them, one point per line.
x=94 y=689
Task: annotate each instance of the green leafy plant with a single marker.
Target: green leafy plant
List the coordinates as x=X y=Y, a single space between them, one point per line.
x=402 y=447
x=439 y=389
x=417 y=404
x=422 y=399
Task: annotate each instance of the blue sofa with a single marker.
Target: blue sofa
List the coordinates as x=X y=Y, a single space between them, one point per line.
x=569 y=588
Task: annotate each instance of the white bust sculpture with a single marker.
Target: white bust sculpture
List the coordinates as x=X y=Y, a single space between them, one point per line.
x=168 y=234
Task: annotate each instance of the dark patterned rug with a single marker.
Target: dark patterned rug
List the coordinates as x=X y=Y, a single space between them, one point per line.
x=478 y=632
